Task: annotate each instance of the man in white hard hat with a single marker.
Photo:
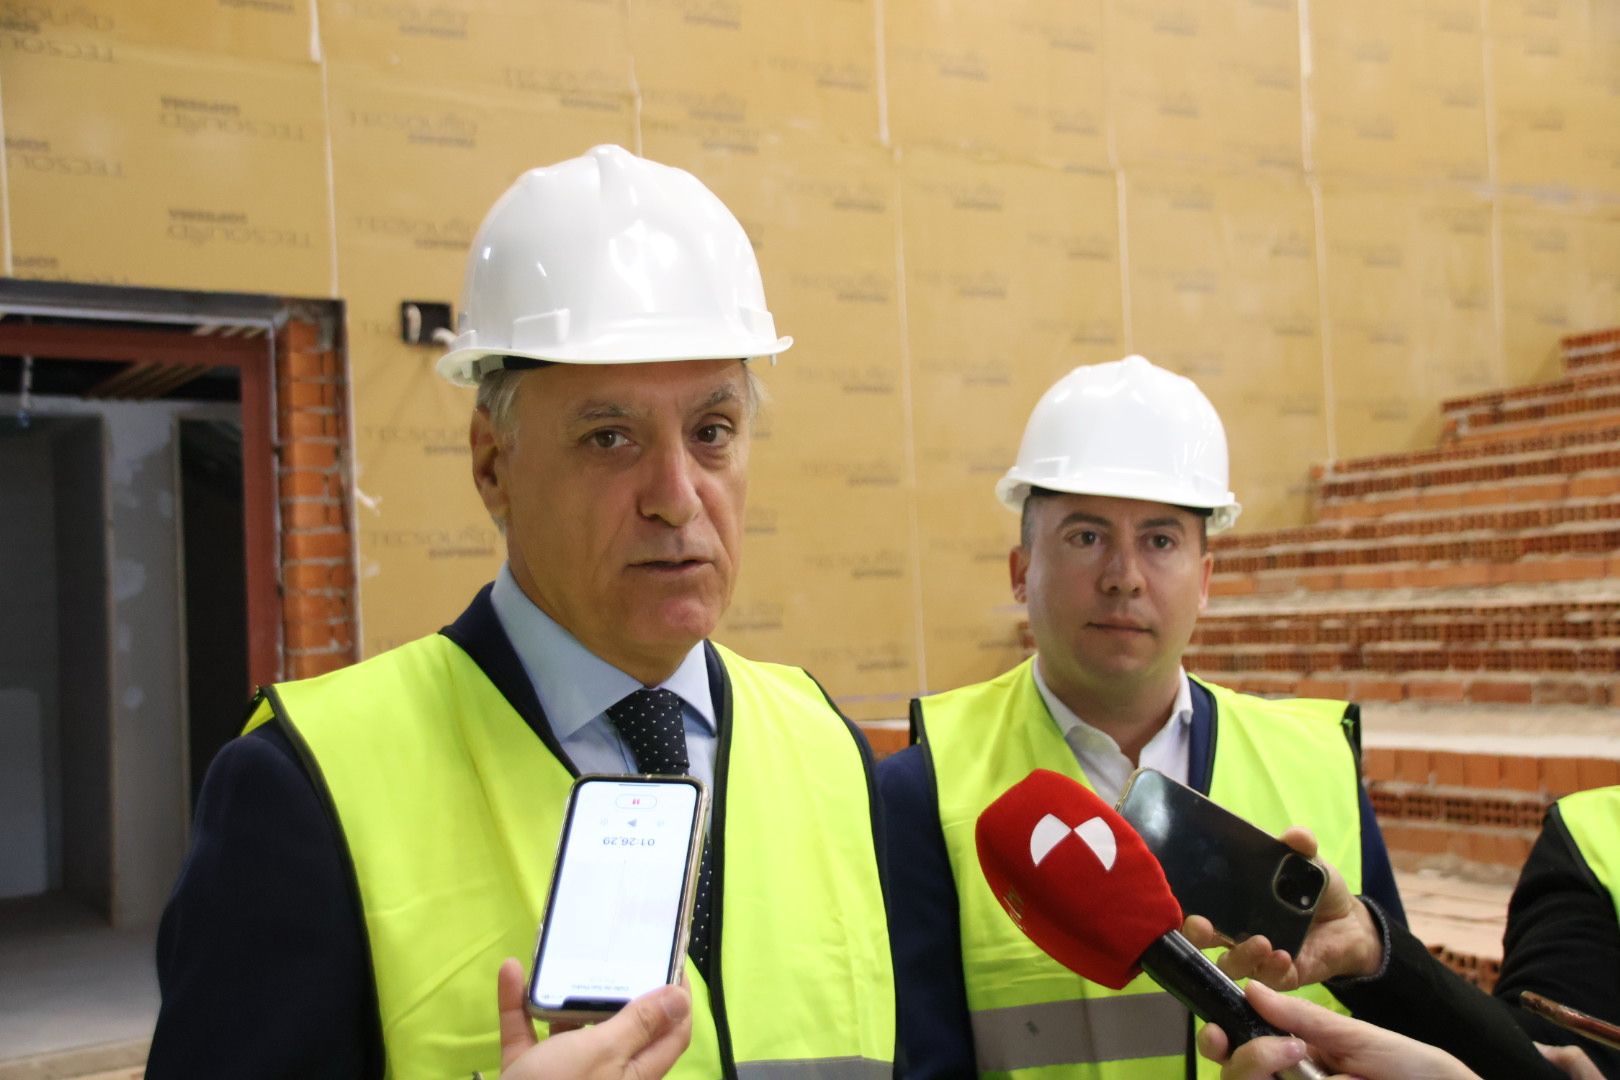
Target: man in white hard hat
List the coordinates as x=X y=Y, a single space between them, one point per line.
x=381 y=838
x=1121 y=476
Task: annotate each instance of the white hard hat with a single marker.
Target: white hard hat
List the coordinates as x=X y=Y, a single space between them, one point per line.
x=1130 y=430
x=609 y=259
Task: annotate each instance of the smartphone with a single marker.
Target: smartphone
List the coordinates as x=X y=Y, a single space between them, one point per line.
x=1572 y=1019
x=1241 y=878
x=620 y=904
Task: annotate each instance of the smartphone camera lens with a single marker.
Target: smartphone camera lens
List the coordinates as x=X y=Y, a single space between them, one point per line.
x=1299 y=882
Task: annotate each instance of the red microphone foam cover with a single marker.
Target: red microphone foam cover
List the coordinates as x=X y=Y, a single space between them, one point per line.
x=1075 y=877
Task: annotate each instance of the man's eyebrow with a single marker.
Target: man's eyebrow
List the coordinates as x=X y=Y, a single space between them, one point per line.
x=721 y=396
x=591 y=411
x=1081 y=517
x=1077 y=517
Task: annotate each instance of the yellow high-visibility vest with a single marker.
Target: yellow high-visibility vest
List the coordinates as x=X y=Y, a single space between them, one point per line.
x=1277 y=763
x=451 y=807
x=1593 y=820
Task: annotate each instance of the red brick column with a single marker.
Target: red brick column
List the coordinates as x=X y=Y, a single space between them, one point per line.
x=317 y=551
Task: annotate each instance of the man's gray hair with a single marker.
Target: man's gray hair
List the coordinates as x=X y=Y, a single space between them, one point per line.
x=497 y=393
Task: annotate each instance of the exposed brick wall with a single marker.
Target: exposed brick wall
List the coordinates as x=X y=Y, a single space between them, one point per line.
x=317 y=554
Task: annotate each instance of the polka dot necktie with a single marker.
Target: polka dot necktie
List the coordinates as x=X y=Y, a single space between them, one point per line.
x=653 y=726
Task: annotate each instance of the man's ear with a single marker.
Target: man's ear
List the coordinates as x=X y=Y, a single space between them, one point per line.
x=1018 y=573
x=488 y=464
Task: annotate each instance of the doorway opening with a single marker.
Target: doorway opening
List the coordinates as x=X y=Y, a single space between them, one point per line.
x=144 y=468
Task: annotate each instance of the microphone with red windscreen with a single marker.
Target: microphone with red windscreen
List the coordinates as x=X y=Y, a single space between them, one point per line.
x=1078 y=880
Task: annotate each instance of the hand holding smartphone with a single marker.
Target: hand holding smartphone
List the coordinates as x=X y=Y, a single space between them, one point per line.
x=622 y=888
x=1242 y=879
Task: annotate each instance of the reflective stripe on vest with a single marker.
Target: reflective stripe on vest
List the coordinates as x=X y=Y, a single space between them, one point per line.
x=1277 y=763
x=451 y=809
x=822 y=1069
x=1087 y=1031
x=1592 y=819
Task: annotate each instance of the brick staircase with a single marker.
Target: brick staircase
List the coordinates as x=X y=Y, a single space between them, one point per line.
x=1485 y=570
x=1468 y=596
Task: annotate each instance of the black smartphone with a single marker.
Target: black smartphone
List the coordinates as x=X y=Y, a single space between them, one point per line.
x=1241 y=878
x=620 y=904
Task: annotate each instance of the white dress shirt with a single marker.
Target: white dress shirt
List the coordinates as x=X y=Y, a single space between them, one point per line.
x=576 y=687
x=1105 y=765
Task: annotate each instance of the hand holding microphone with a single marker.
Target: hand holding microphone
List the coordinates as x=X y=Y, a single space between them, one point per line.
x=1347 y=1045
x=1080 y=882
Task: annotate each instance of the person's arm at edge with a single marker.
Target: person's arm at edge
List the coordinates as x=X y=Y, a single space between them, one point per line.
x=933 y=1027
x=1562 y=941
x=261 y=956
x=1418 y=996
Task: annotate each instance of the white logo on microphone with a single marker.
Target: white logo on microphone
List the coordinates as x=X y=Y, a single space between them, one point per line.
x=1050 y=831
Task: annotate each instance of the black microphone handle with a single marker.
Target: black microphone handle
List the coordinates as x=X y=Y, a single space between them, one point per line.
x=1192 y=978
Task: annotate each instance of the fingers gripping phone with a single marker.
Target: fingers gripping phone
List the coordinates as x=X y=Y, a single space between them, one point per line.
x=622 y=886
x=1239 y=877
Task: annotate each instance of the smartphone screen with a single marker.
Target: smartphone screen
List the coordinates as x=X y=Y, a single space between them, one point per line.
x=617 y=913
x=1242 y=879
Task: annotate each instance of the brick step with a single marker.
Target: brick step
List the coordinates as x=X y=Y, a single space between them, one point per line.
x=1482 y=971
x=1460 y=918
x=1582 y=384
x=1452 y=454
x=1574 y=621
x=1552 y=462
x=1587 y=402
x=1574 y=422
x=1583 y=351
x=1453 y=575
x=1588 y=538
x=1415 y=784
x=1437 y=688
x=1505 y=495
x=1399 y=658
x=1477 y=521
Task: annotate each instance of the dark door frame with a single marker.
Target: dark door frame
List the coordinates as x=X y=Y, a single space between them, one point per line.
x=164 y=356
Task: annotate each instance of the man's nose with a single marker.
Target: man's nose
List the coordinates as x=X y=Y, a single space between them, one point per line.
x=669 y=485
x=1122 y=572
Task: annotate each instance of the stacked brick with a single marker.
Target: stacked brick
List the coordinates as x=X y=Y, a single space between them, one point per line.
x=1440 y=808
x=317 y=555
x=1519 y=654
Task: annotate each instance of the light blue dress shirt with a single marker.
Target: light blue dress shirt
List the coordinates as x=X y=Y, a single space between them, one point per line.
x=576 y=687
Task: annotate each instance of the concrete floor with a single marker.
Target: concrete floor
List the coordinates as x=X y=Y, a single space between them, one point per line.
x=1465 y=916
x=69 y=981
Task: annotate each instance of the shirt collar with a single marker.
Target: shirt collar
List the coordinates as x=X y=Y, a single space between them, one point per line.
x=1181 y=712
x=574 y=685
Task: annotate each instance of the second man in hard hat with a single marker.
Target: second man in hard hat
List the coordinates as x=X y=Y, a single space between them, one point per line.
x=381 y=838
x=1121 y=477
